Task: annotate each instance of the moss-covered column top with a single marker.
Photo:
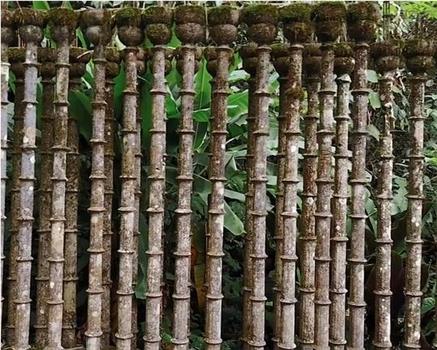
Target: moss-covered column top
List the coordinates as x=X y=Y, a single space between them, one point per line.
x=262 y=21
x=190 y=24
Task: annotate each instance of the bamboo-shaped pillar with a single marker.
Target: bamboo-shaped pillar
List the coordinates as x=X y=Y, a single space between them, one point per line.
x=297 y=29
x=343 y=67
x=78 y=58
x=158 y=22
x=190 y=29
x=129 y=24
x=261 y=21
x=362 y=18
x=386 y=56
x=97 y=28
x=248 y=54
x=30 y=24
x=281 y=62
x=222 y=22
x=62 y=23
x=307 y=237
x=419 y=57
x=329 y=21
x=8 y=36
x=112 y=70
x=16 y=58
x=47 y=57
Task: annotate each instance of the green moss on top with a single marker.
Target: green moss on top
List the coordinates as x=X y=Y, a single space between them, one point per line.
x=158 y=14
x=46 y=54
x=363 y=10
x=61 y=16
x=312 y=50
x=418 y=47
x=327 y=11
x=26 y=16
x=16 y=54
x=95 y=17
x=385 y=49
x=128 y=16
x=248 y=50
x=297 y=12
x=79 y=55
x=189 y=14
x=280 y=50
x=255 y=14
x=343 y=50
x=223 y=15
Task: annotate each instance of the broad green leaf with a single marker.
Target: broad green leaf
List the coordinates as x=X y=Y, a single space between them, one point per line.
x=374 y=100
x=372 y=76
x=202 y=86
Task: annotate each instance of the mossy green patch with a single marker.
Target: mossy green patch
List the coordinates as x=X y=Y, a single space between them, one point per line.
x=363 y=10
x=327 y=11
x=385 y=49
x=62 y=17
x=158 y=14
x=343 y=50
x=27 y=16
x=312 y=50
x=129 y=16
x=189 y=14
x=298 y=12
x=223 y=15
x=418 y=47
x=16 y=54
x=280 y=50
x=264 y=13
x=46 y=54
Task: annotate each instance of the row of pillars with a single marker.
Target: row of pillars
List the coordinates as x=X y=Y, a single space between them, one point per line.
x=319 y=310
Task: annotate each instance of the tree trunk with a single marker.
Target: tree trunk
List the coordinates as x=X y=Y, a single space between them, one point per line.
x=289 y=213
x=156 y=179
x=127 y=207
x=48 y=71
x=339 y=219
x=324 y=195
x=17 y=68
x=358 y=183
x=181 y=296
x=97 y=203
x=216 y=209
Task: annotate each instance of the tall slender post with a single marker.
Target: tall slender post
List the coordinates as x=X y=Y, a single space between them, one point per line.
x=222 y=22
x=158 y=22
x=361 y=18
x=78 y=59
x=190 y=28
x=112 y=70
x=8 y=36
x=129 y=23
x=386 y=57
x=62 y=23
x=418 y=53
x=248 y=54
x=16 y=57
x=343 y=67
x=297 y=28
x=98 y=32
x=329 y=18
x=47 y=57
x=261 y=21
x=30 y=22
x=280 y=62
x=307 y=237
